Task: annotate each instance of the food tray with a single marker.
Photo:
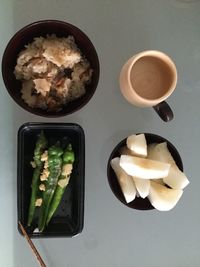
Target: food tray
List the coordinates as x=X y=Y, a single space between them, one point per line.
x=68 y=219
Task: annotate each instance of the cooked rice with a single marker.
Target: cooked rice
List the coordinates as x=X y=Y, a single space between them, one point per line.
x=53 y=72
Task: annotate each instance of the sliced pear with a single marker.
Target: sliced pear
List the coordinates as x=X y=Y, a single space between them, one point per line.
x=163 y=198
x=159 y=181
x=125 y=181
x=142 y=186
x=126 y=151
x=144 y=168
x=160 y=152
x=137 y=144
x=137 y=194
x=150 y=146
x=176 y=179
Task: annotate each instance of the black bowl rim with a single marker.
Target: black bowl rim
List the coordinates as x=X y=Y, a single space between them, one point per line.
x=115 y=150
x=38 y=111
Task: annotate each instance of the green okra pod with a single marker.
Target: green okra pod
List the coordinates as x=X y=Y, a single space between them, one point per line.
x=67 y=165
x=54 y=168
x=39 y=149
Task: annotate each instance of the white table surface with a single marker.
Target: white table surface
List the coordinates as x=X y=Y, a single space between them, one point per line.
x=113 y=234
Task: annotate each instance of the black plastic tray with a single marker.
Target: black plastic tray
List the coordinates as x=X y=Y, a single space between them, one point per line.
x=68 y=219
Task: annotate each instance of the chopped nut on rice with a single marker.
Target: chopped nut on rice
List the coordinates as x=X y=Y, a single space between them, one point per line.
x=42 y=86
x=27 y=93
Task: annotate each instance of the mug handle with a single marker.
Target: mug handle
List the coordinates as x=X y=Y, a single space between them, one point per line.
x=164 y=111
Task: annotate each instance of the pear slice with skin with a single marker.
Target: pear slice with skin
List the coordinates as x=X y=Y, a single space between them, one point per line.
x=159 y=181
x=126 y=151
x=125 y=181
x=176 y=178
x=142 y=186
x=160 y=152
x=150 y=147
x=163 y=198
x=137 y=144
x=144 y=168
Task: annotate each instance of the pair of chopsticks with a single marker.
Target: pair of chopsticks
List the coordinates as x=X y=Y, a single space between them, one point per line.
x=34 y=250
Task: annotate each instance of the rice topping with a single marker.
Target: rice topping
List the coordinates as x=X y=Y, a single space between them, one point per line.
x=53 y=72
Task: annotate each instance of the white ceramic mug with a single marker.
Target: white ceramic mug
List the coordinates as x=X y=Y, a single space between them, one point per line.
x=147 y=79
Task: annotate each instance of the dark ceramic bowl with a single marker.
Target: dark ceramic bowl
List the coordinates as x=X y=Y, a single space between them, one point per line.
x=138 y=203
x=42 y=28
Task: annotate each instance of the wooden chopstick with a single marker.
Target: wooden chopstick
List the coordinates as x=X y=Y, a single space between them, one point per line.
x=34 y=250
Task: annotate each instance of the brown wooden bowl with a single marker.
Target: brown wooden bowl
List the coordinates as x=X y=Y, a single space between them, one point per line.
x=138 y=203
x=42 y=28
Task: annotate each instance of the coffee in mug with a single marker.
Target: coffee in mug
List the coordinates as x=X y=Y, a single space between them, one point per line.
x=147 y=79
